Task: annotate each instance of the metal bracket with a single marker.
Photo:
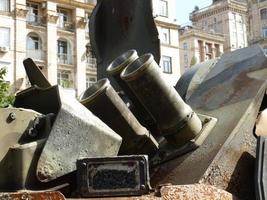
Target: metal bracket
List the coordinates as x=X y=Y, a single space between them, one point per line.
x=167 y=152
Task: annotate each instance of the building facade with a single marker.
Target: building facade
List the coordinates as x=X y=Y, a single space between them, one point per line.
x=228 y=17
x=198 y=45
x=258 y=23
x=55 y=35
x=164 y=12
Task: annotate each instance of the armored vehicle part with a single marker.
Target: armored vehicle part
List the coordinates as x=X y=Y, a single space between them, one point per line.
x=42 y=100
x=117 y=26
x=35 y=75
x=115 y=69
x=232 y=92
x=15 y=125
x=260 y=169
x=113 y=176
x=193 y=77
x=76 y=133
x=18 y=167
x=176 y=120
x=102 y=100
x=32 y=195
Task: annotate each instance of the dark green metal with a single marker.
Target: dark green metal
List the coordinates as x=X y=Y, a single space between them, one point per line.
x=115 y=69
x=105 y=103
x=176 y=120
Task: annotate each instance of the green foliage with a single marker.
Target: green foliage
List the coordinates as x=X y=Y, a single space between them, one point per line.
x=193 y=61
x=5 y=97
x=66 y=83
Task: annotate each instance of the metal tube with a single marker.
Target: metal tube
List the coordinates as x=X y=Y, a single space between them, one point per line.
x=115 y=69
x=104 y=102
x=176 y=120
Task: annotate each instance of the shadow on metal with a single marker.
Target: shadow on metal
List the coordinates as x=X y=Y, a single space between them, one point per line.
x=118 y=26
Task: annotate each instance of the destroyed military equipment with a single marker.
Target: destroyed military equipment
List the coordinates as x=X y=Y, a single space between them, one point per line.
x=115 y=69
x=204 y=135
x=176 y=120
x=113 y=176
x=102 y=100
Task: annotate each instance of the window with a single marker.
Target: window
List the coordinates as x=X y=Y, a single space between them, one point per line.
x=64 y=52
x=167 y=64
x=264 y=32
x=33 y=42
x=165 y=35
x=64 y=78
x=185 y=46
x=186 y=59
x=90 y=57
x=263 y=13
x=34 y=47
x=5 y=37
x=64 y=21
x=4 y=5
x=90 y=81
x=87 y=17
x=204 y=24
x=32 y=15
x=163 y=8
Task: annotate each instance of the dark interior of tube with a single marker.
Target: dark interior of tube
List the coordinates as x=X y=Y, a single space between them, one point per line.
x=93 y=89
x=136 y=64
x=121 y=59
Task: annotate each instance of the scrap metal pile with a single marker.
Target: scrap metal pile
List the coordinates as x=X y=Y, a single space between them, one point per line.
x=196 y=138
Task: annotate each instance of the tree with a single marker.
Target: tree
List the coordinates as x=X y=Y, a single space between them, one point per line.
x=5 y=97
x=193 y=61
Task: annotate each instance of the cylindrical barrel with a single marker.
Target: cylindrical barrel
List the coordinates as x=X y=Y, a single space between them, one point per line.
x=176 y=120
x=102 y=100
x=115 y=69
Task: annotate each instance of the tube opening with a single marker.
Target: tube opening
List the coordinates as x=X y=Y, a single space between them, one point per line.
x=122 y=61
x=94 y=90
x=137 y=66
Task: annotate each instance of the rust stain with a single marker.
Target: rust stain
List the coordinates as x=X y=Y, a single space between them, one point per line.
x=32 y=196
x=194 y=192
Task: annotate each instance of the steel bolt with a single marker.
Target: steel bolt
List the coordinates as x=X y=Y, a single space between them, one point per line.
x=84 y=164
x=142 y=187
x=12 y=116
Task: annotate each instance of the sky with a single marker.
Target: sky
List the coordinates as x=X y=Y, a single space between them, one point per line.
x=184 y=7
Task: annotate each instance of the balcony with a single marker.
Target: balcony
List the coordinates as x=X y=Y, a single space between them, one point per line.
x=63 y=58
x=65 y=25
x=91 y=63
x=35 y=20
x=35 y=54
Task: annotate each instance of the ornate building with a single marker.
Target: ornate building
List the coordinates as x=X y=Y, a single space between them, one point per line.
x=198 y=45
x=55 y=34
x=227 y=17
x=258 y=23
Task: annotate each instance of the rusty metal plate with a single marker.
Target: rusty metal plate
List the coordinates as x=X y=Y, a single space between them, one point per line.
x=196 y=192
x=113 y=176
x=32 y=196
x=233 y=93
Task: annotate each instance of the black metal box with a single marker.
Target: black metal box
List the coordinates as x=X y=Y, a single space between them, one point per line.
x=113 y=176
